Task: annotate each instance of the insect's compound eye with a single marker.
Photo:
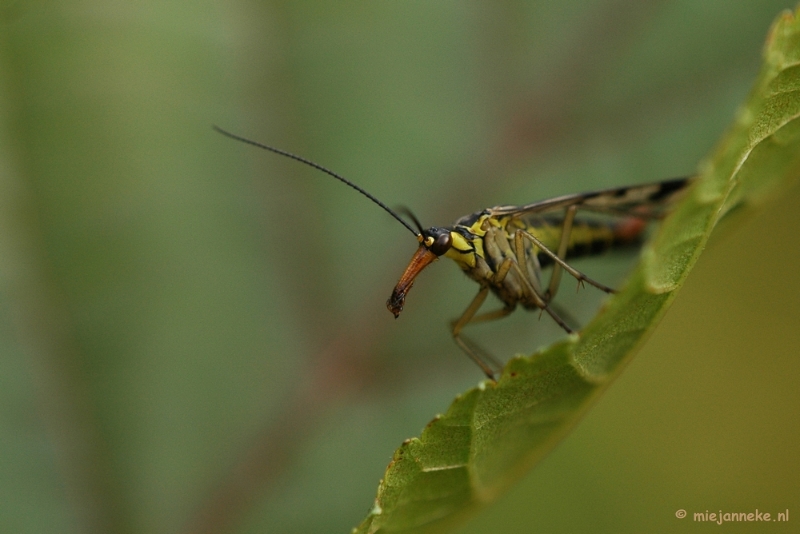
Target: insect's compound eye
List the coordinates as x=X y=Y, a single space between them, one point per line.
x=441 y=244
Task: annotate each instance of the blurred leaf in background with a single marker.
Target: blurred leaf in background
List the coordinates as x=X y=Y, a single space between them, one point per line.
x=193 y=332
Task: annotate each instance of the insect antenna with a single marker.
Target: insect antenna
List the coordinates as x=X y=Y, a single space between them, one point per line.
x=326 y=171
x=403 y=210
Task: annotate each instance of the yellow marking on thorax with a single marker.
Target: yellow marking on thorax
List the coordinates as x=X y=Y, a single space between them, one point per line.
x=472 y=246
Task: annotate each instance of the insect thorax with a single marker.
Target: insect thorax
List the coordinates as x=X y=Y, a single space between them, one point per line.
x=481 y=248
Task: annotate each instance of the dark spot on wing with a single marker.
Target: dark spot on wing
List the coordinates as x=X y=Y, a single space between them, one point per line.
x=599 y=246
x=669 y=187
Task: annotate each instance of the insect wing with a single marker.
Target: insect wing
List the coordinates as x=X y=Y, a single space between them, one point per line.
x=646 y=201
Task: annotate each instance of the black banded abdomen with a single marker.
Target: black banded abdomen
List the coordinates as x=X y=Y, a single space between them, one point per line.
x=592 y=238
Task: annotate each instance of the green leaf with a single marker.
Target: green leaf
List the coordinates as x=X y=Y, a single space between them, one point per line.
x=493 y=434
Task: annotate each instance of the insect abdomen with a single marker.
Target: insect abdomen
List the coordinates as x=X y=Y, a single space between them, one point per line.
x=592 y=238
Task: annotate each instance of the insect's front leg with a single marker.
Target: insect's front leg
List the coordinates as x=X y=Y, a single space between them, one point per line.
x=467 y=346
x=492 y=315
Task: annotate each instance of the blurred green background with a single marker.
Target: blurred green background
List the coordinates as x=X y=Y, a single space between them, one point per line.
x=193 y=331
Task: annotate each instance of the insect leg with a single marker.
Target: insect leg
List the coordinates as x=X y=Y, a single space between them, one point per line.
x=564 y=314
x=539 y=301
x=566 y=230
x=473 y=351
x=559 y=321
x=533 y=275
x=491 y=366
x=491 y=316
x=579 y=276
x=509 y=264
